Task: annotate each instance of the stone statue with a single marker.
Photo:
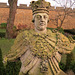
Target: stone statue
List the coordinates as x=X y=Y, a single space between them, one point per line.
x=40 y=49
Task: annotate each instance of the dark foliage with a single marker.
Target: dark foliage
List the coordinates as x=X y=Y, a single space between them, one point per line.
x=2 y=70
x=50 y=28
x=70 y=63
x=13 y=68
x=3 y=25
x=72 y=66
x=2 y=34
x=62 y=66
x=74 y=37
x=70 y=58
x=71 y=31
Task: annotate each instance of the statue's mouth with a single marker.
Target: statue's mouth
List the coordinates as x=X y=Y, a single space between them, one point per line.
x=42 y=23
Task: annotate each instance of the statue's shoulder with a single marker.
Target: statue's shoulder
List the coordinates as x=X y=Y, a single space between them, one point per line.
x=59 y=35
x=64 y=44
x=20 y=46
x=62 y=37
x=23 y=35
x=51 y=33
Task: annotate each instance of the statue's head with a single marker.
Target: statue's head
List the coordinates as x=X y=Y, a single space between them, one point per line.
x=40 y=10
x=40 y=21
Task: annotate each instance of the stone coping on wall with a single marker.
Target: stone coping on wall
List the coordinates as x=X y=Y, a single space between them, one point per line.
x=3 y=5
x=24 y=6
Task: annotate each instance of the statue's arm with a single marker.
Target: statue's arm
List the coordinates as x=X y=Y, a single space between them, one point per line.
x=17 y=49
x=8 y=57
x=64 y=45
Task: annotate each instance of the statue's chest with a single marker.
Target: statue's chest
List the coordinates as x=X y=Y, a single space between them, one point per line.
x=43 y=46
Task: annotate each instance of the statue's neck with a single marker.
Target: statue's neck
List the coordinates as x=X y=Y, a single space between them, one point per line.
x=41 y=31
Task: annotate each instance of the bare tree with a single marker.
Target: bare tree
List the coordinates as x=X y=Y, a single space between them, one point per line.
x=10 y=21
x=61 y=15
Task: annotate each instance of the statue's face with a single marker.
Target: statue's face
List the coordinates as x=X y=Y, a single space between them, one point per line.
x=40 y=21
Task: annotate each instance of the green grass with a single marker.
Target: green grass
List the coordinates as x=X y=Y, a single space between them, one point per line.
x=5 y=45
x=3 y=30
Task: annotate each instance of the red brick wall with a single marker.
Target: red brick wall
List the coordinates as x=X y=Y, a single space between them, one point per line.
x=24 y=17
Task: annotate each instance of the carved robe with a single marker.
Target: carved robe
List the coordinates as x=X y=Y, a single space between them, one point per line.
x=40 y=54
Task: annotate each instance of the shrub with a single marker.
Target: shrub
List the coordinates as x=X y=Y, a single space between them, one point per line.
x=72 y=66
x=71 y=31
x=62 y=66
x=70 y=63
x=2 y=34
x=69 y=59
x=14 y=28
x=22 y=26
x=3 y=25
x=50 y=28
x=2 y=70
x=13 y=68
x=74 y=37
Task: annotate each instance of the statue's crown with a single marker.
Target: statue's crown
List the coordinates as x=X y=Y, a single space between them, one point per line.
x=40 y=6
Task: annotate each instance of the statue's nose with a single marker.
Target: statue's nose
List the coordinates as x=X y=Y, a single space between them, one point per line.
x=42 y=19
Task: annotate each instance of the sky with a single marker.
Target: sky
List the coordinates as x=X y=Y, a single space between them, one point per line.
x=25 y=1
x=53 y=3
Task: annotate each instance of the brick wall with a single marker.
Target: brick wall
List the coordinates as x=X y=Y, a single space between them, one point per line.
x=24 y=16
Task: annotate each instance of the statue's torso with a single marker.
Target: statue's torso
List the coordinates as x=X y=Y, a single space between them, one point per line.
x=42 y=58
x=40 y=54
x=36 y=66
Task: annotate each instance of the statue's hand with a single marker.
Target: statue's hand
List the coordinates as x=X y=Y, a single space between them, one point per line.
x=5 y=60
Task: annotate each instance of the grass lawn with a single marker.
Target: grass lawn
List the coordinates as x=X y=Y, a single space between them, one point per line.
x=3 y=30
x=5 y=45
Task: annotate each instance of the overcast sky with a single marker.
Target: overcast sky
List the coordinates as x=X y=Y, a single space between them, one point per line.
x=27 y=1
x=53 y=3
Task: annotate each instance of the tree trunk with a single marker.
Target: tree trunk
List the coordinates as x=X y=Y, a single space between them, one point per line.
x=10 y=21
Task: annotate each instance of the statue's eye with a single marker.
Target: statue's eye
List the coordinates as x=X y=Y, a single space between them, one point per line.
x=45 y=16
x=38 y=17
